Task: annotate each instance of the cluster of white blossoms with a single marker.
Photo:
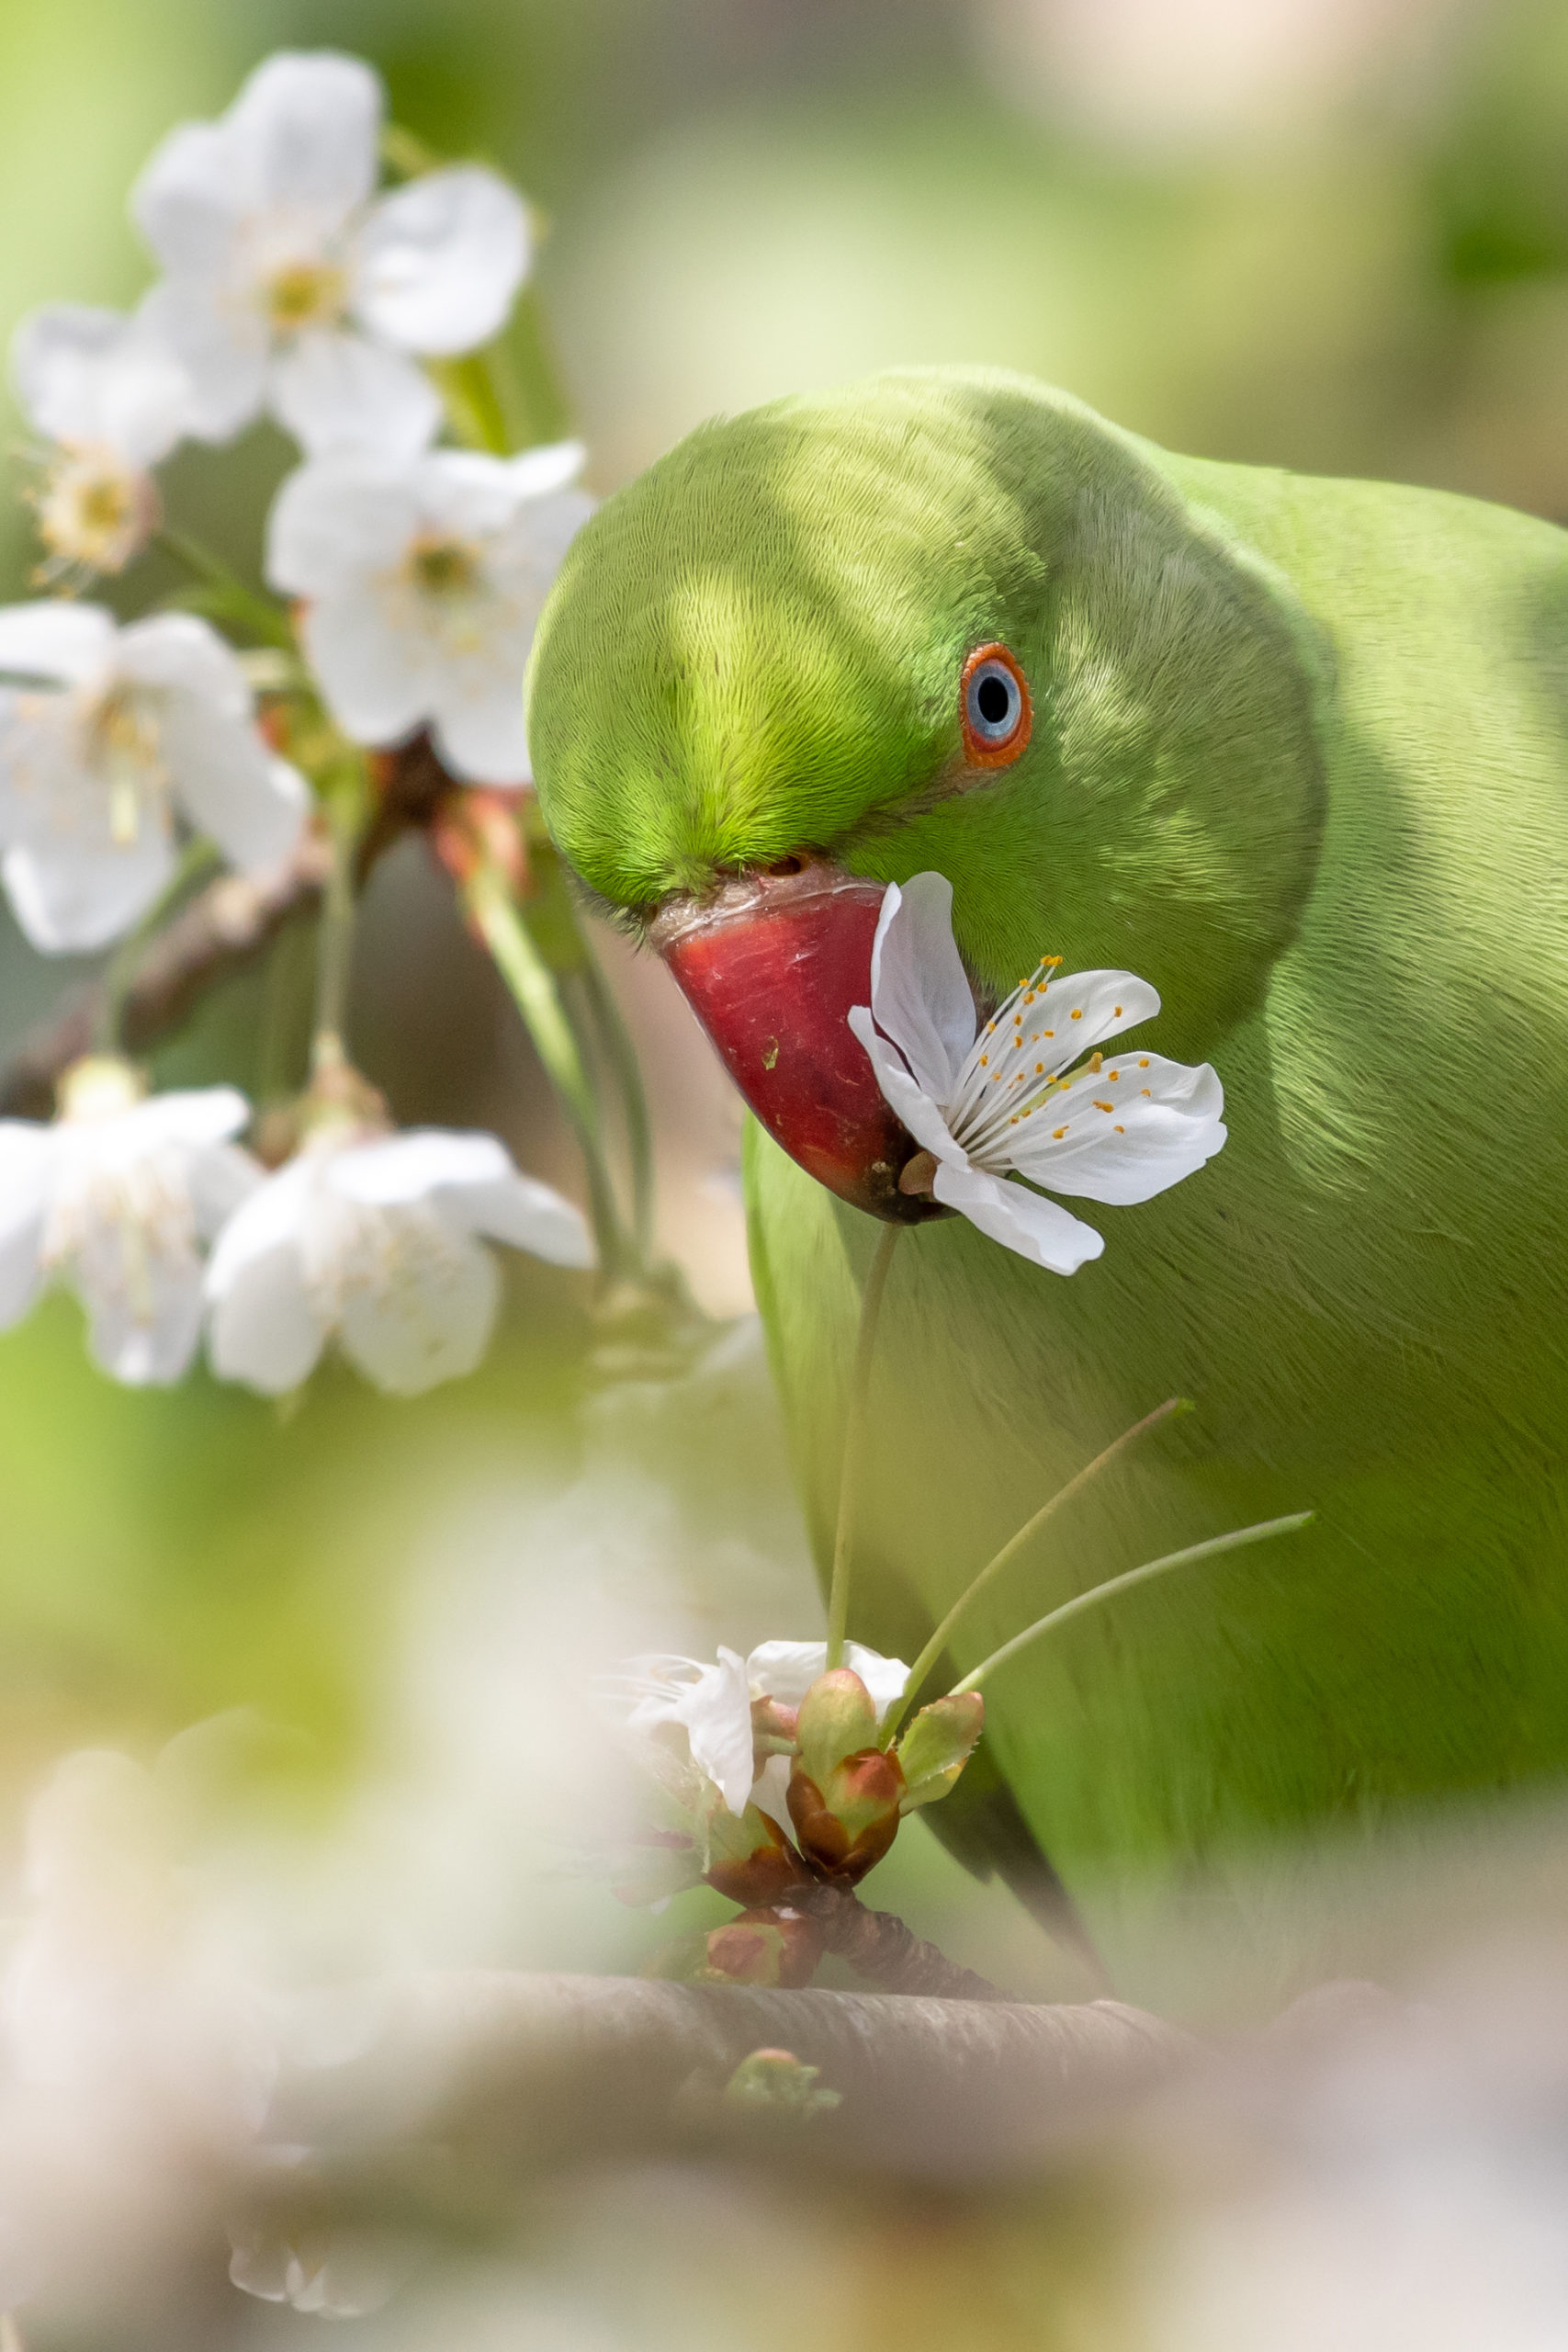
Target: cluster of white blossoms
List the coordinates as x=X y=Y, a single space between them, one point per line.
x=292 y=287
x=163 y=1225
x=291 y=284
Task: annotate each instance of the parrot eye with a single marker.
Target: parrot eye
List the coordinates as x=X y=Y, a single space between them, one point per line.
x=996 y=708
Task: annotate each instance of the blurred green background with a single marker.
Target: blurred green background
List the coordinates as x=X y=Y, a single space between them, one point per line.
x=1325 y=235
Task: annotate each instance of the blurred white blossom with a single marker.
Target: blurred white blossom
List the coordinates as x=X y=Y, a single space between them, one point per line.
x=117 y=1200
x=373 y=1240
x=109 y=394
x=290 y=285
x=425 y=579
x=107 y=735
x=713 y=1705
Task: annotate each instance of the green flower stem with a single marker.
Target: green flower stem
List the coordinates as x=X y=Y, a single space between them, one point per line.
x=198 y=860
x=1076 y=1607
x=535 y=992
x=1010 y=1551
x=850 y=1477
x=615 y=1043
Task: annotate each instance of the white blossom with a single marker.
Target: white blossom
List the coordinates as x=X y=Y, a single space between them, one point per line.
x=425 y=579
x=289 y=284
x=110 y=396
x=1016 y=1094
x=373 y=1240
x=106 y=737
x=712 y=1705
x=115 y=1200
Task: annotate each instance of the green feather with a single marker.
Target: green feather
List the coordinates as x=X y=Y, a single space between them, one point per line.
x=1301 y=758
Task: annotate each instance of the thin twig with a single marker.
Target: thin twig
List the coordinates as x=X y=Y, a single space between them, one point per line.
x=880 y=1948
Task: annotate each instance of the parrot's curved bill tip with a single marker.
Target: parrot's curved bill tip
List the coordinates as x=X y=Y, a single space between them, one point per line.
x=772 y=965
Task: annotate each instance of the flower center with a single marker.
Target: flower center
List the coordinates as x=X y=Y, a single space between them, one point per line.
x=95 y=512
x=305 y=294
x=444 y=569
x=123 y=751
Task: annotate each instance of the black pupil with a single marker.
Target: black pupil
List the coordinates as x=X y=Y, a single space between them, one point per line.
x=993 y=700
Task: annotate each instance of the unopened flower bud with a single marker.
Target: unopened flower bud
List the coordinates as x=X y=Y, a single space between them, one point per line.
x=773 y=1946
x=938 y=1745
x=776 y=2081
x=838 y=1716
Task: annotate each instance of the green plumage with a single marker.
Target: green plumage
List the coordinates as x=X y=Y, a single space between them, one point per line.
x=1300 y=758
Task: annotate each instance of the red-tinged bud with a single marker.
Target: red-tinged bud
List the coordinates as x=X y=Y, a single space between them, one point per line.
x=753 y=1865
x=774 y=1727
x=774 y=1946
x=838 y=1715
x=845 y=1824
x=477 y=826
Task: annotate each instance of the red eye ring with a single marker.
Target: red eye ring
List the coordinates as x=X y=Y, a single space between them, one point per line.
x=995 y=707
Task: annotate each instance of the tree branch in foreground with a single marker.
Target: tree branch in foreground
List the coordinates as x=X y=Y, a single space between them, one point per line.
x=537 y=2069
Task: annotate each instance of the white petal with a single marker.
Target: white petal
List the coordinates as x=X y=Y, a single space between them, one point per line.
x=1164 y=1120
x=179 y=650
x=441 y=259
x=144 y=1319
x=1020 y=1219
x=717 y=1716
x=55 y=639
x=787 y=1670
x=484 y=739
x=335 y=391
x=770 y=1792
x=470 y=1178
x=920 y=995
x=196 y=1115
x=223 y=1178
x=917 y=1112
x=1085 y=1008
x=411 y=1165
x=27 y=1161
x=188 y=200
x=303 y=132
x=91 y=375
x=431 y=1317
x=526 y=1214
x=262 y=1327
x=222 y=345
x=370 y=673
x=553 y=465
x=340 y=521
x=231 y=785
x=72 y=897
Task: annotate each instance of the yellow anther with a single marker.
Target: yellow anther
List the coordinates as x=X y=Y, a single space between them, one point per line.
x=1119 y=1131
x=1118 y=1012
x=1144 y=1063
x=1057 y=1134
x=1143 y=1090
x=1094 y=1062
x=1047 y=1033
x=1038 y=1070
x=1078 y=1015
x=985 y=1061
x=1113 y=1074
x=1105 y=1106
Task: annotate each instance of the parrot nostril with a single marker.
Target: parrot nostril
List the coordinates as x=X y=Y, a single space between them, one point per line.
x=791 y=865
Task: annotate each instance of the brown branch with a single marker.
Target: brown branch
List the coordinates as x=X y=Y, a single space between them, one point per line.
x=880 y=1948
x=536 y=2069
x=224 y=927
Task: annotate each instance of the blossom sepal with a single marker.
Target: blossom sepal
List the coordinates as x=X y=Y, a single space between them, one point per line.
x=845 y=1822
x=749 y=1861
x=937 y=1746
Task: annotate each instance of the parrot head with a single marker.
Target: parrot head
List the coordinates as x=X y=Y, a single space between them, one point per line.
x=945 y=620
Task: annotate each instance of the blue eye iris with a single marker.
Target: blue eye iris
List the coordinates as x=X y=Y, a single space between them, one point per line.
x=993 y=701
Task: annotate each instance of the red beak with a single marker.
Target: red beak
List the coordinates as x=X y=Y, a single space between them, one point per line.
x=771 y=966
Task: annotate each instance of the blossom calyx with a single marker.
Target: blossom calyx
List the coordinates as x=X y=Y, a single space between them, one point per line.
x=845 y=1822
x=938 y=1745
x=747 y=1859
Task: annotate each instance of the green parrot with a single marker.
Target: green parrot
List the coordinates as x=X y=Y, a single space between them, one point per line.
x=1298 y=755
